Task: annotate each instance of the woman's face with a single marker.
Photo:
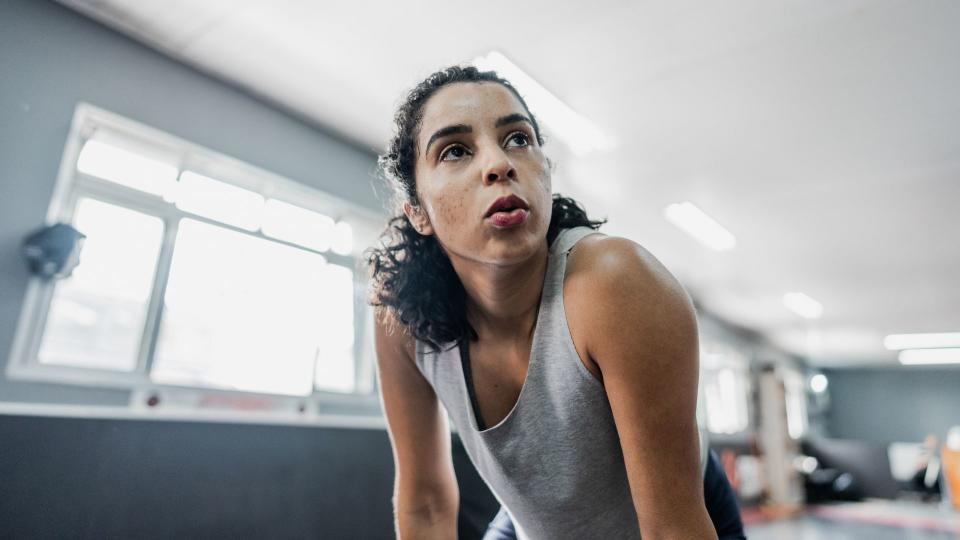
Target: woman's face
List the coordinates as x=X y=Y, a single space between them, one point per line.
x=482 y=179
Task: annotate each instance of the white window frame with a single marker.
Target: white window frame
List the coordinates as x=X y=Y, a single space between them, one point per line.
x=181 y=401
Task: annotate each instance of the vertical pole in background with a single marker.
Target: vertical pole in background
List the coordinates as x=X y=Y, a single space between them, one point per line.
x=779 y=450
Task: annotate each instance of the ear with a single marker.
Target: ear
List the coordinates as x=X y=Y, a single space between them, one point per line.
x=418 y=218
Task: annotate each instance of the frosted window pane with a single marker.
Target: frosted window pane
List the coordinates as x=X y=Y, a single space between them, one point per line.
x=245 y=313
x=343 y=238
x=726 y=391
x=125 y=167
x=335 y=358
x=97 y=315
x=298 y=225
x=726 y=400
x=219 y=201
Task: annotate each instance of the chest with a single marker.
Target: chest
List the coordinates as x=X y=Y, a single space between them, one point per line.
x=498 y=373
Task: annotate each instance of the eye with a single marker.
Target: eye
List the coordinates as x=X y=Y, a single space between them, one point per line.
x=454 y=152
x=517 y=139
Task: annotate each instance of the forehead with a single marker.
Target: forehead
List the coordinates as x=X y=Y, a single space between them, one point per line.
x=470 y=103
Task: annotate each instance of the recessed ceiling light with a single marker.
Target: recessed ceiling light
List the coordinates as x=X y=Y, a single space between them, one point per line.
x=915 y=357
x=803 y=305
x=579 y=133
x=818 y=383
x=895 y=342
x=699 y=225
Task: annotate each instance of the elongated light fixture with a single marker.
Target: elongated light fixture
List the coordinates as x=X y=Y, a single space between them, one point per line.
x=699 y=225
x=895 y=342
x=916 y=357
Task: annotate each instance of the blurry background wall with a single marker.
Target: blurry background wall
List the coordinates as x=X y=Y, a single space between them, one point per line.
x=884 y=405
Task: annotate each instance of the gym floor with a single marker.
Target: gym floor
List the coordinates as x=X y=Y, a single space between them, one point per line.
x=870 y=520
x=816 y=528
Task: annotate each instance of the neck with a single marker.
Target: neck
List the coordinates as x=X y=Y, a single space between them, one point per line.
x=503 y=301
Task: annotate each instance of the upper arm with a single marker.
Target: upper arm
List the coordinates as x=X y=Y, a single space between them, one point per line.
x=642 y=334
x=419 y=436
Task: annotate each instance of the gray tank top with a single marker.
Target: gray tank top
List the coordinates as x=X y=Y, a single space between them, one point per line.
x=555 y=461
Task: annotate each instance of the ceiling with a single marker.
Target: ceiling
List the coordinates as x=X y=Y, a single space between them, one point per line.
x=824 y=135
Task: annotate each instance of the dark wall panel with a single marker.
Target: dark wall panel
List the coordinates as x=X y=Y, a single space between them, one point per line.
x=138 y=479
x=78 y=478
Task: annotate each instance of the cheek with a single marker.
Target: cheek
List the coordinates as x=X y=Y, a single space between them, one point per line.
x=451 y=209
x=447 y=208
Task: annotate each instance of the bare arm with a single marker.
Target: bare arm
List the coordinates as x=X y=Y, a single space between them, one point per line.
x=426 y=496
x=642 y=334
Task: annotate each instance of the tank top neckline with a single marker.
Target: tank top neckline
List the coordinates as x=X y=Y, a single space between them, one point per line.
x=547 y=294
x=476 y=416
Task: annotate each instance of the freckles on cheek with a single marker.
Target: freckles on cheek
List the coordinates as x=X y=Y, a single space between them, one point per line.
x=451 y=208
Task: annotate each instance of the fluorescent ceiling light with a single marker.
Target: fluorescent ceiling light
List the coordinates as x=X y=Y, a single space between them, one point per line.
x=915 y=357
x=896 y=342
x=699 y=225
x=803 y=305
x=579 y=133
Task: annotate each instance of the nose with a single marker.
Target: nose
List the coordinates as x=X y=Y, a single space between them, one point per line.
x=498 y=168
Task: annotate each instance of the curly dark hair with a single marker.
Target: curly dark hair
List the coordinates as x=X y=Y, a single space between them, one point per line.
x=410 y=273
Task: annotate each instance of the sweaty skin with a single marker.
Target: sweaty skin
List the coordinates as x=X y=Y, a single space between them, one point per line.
x=632 y=323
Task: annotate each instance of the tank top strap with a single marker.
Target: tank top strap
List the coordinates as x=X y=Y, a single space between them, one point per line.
x=568 y=238
x=556 y=270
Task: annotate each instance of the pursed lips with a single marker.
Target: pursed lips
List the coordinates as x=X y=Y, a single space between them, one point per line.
x=506 y=203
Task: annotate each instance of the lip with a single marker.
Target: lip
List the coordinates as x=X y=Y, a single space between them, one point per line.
x=507 y=201
x=506 y=220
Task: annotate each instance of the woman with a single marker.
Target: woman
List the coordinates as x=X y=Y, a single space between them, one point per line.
x=566 y=359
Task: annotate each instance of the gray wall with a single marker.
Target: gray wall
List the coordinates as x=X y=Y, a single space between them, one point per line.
x=893 y=404
x=50 y=59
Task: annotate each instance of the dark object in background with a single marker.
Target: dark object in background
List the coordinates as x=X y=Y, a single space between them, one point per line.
x=849 y=470
x=825 y=485
x=926 y=482
x=52 y=252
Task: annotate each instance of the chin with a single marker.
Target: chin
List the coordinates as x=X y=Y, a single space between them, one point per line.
x=512 y=249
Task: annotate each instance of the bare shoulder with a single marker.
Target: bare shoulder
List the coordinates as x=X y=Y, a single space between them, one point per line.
x=614 y=284
x=600 y=263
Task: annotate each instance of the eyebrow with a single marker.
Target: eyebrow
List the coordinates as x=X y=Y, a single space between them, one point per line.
x=445 y=131
x=463 y=128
